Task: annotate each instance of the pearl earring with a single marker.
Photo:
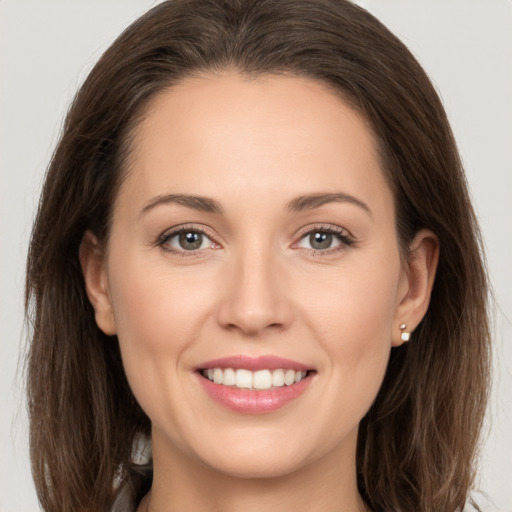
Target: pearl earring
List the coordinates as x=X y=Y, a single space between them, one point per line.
x=405 y=336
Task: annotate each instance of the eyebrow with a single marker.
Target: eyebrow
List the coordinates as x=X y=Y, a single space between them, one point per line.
x=299 y=204
x=312 y=201
x=200 y=203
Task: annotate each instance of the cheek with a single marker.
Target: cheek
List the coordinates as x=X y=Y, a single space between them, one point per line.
x=360 y=342
x=355 y=308
x=157 y=315
x=354 y=323
x=155 y=310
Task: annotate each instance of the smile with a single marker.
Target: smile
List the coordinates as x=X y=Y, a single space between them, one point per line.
x=258 y=380
x=254 y=385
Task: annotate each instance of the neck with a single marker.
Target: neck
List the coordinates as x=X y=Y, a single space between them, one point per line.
x=183 y=483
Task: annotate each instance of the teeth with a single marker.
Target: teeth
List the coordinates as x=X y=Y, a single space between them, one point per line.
x=289 y=377
x=243 y=379
x=278 y=378
x=261 y=379
x=218 y=376
x=229 y=378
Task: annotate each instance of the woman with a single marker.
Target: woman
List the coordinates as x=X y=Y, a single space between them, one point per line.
x=255 y=247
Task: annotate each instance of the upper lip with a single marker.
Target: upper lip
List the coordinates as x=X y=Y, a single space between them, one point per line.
x=266 y=362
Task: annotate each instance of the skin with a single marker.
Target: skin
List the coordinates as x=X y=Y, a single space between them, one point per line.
x=255 y=287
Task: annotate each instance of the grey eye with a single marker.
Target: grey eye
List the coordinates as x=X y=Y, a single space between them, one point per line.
x=320 y=240
x=189 y=240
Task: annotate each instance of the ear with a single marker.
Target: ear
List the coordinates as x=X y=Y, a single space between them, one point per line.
x=92 y=260
x=417 y=281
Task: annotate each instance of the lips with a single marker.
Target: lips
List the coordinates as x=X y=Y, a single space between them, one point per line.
x=254 y=385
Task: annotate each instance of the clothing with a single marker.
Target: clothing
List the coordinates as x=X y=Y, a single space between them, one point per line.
x=124 y=502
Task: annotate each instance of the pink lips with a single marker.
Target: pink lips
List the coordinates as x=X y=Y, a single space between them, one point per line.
x=254 y=363
x=250 y=401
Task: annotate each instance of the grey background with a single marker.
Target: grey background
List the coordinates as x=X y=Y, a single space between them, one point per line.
x=47 y=48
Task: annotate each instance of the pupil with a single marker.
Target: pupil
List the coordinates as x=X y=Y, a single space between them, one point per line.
x=320 y=240
x=190 y=240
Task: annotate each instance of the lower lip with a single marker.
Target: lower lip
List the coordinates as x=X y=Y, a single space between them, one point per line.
x=254 y=401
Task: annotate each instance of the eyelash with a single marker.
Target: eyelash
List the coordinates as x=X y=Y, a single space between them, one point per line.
x=165 y=237
x=343 y=236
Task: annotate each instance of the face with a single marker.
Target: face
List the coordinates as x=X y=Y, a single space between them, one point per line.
x=253 y=273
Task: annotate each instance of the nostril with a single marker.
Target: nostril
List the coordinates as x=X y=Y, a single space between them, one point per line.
x=253 y=308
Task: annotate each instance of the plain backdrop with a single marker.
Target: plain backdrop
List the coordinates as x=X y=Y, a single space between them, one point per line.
x=46 y=49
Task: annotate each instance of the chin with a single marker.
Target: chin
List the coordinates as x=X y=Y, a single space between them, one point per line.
x=262 y=467
x=273 y=456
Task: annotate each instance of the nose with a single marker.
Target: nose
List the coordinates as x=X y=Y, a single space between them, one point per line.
x=254 y=299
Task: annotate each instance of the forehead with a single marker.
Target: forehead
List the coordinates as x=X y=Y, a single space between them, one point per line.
x=222 y=134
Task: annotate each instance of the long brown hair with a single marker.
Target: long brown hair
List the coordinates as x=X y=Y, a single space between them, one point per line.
x=417 y=444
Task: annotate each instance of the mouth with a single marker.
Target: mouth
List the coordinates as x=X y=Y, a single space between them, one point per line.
x=251 y=385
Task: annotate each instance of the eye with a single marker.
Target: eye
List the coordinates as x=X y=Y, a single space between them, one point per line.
x=325 y=239
x=186 y=240
x=319 y=240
